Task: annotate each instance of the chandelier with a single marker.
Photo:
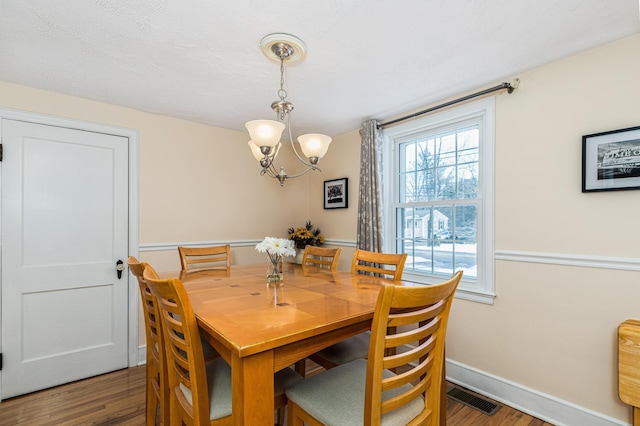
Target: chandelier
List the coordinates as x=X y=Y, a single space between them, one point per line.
x=266 y=134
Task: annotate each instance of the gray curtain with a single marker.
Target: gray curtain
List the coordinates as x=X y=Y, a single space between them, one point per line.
x=370 y=201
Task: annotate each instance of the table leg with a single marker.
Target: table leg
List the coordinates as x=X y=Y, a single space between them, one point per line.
x=252 y=386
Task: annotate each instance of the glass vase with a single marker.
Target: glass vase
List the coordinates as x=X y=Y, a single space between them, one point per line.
x=274 y=272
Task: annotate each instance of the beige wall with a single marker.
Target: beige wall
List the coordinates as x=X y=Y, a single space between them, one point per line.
x=552 y=328
x=341 y=161
x=197 y=183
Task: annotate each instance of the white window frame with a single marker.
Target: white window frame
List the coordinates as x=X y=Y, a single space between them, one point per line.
x=482 y=289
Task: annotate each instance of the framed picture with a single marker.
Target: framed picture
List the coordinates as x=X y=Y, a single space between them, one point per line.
x=611 y=160
x=336 y=195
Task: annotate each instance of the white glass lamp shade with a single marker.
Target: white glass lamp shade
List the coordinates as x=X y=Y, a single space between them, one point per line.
x=314 y=145
x=265 y=132
x=255 y=150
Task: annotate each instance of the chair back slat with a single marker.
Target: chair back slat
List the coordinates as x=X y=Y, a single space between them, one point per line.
x=320 y=257
x=386 y=265
x=205 y=258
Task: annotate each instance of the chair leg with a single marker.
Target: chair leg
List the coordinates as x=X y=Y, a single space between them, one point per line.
x=301 y=367
x=151 y=413
x=152 y=404
x=164 y=413
x=280 y=416
x=299 y=417
x=294 y=419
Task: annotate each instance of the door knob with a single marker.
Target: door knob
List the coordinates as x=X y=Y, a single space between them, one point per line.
x=119 y=268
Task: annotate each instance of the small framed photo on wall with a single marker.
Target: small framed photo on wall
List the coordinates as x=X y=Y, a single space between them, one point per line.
x=611 y=160
x=336 y=194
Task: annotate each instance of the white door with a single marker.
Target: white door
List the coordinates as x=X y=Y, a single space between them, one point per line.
x=64 y=226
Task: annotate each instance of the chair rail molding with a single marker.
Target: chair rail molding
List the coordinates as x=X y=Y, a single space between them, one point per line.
x=146 y=247
x=566 y=259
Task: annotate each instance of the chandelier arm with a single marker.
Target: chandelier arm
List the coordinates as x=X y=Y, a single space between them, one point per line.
x=310 y=168
x=272 y=172
x=266 y=172
x=293 y=145
x=269 y=169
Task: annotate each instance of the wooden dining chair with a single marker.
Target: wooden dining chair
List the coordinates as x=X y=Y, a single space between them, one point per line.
x=199 y=393
x=157 y=391
x=324 y=258
x=202 y=258
x=386 y=265
x=367 y=392
x=320 y=258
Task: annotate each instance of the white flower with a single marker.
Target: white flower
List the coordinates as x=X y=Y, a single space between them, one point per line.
x=277 y=247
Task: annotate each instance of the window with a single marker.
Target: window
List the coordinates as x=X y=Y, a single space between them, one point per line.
x=440 y=186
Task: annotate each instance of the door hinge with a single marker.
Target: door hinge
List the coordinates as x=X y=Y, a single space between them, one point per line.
x=0 y=361
x=0 y=151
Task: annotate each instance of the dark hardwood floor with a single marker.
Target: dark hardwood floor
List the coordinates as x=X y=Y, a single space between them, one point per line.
x=118 y=398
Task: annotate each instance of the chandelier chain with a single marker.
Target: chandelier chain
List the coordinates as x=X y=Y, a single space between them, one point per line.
x=282 y=92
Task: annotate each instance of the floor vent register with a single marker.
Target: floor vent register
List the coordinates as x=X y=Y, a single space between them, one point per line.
x=474 y=401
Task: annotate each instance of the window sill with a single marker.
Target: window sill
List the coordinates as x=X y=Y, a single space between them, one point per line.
x=475 y=296
x=464 y=290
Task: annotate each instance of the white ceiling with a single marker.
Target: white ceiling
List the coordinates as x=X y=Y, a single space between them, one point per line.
x=200 y=59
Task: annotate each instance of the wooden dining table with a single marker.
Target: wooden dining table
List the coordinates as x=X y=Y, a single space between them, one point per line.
x=260 y=329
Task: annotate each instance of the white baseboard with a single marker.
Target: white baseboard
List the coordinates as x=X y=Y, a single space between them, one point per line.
x=537 y=404
x=142 y=355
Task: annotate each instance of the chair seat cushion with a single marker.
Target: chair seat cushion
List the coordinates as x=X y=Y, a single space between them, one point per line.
x=355 y=347
x=219 y=384
x=336 y=397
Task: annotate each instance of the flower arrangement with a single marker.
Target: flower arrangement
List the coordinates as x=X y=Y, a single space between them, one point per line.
x=306 y=235
x=276 y=249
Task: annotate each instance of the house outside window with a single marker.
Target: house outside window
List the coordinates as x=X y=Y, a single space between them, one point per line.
x=439 y=188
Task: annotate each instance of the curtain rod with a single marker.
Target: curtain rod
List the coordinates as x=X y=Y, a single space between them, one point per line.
x=504 y=86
